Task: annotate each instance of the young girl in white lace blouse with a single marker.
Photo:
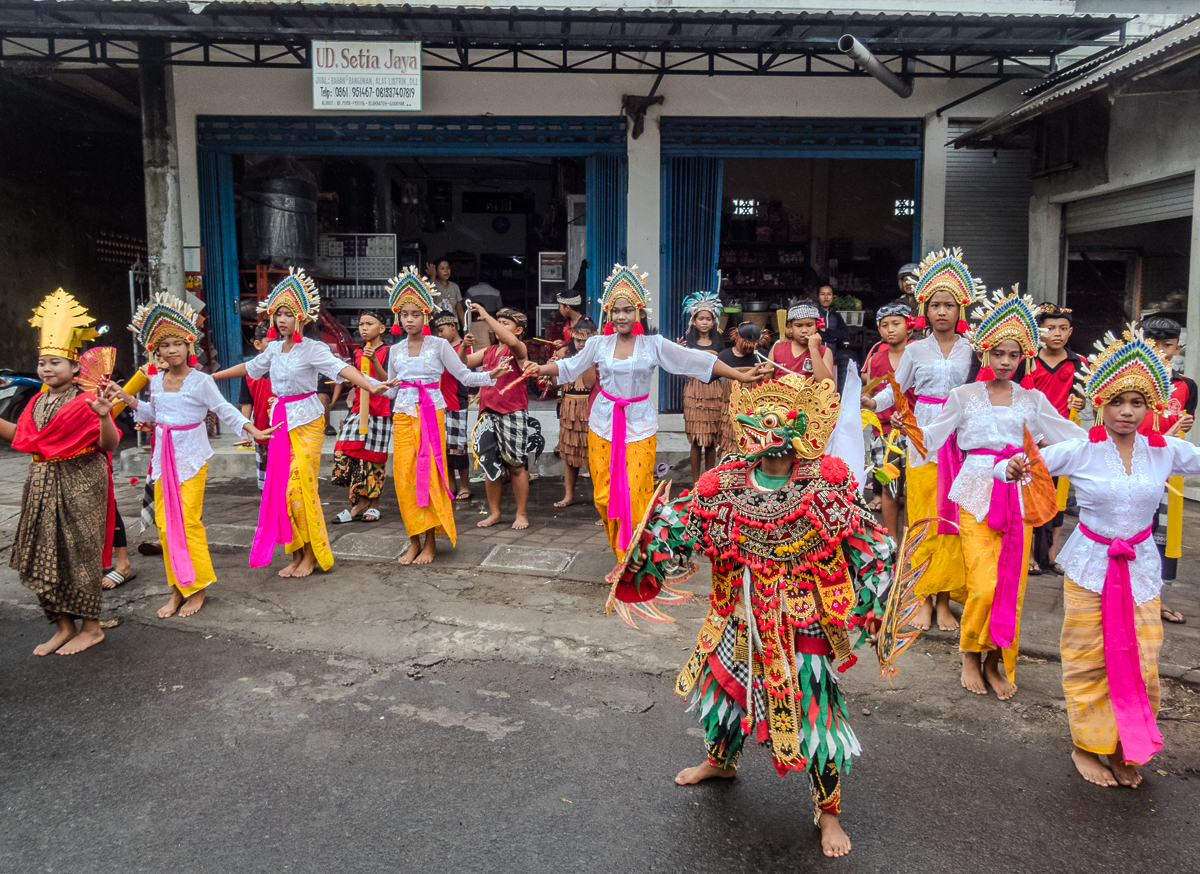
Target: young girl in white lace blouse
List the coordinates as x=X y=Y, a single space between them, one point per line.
x=1112 y=628
x=989 y=418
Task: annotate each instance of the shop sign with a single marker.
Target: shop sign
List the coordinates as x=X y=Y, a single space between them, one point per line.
x=366 y=75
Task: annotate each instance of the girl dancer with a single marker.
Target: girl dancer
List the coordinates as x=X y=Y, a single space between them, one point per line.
x=1112 y=631
x=415 y=369
x=623 y=422
x=703 y=404
x=933 y=367
x=573 y=413
x=989 y=418
x=179 y=400
x=361 y=452
x=290 y=513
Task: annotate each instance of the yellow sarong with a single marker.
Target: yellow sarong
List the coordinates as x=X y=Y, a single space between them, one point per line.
x=439 y=515
x=947 y=571
x=191 y=493
x=1085 y=680
x=981 y=551
x=639 y=461
x=303 y=499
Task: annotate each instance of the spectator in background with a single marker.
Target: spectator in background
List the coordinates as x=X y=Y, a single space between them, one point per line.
x=450 y=295
x=834 y=334
x=487 y=296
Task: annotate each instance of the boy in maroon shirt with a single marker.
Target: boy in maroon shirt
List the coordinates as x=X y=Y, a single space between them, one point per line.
x=892 y=320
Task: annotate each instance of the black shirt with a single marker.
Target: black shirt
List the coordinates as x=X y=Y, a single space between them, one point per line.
x=835 y=334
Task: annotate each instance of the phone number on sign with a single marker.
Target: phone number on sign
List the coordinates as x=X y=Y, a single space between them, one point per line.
x=377 y=91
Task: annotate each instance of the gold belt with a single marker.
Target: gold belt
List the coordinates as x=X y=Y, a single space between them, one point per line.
x=88 y=450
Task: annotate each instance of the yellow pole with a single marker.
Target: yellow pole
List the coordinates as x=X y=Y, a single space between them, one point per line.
x=364 y=396
x=136 y=383
x=1175 y=517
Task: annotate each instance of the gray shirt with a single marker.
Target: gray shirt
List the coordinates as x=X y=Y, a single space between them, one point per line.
x=450 y=296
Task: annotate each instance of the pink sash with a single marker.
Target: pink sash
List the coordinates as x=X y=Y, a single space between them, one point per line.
x=1140 y=737
x=618 y=489
x=274 y=526
x=1005 y=516
x=431 y=442
x=168 y=475
x=949 y=462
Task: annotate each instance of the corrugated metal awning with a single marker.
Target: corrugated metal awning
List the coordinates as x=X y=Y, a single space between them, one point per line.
x=1156 y=202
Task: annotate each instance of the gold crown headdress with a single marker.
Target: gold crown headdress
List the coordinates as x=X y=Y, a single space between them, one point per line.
x=163 y=317
x=624 y=282
x=818 y=400
x=946 y=271
x=1007 y=317
x=299 y=294
x=411 y=287
x=64 y=324
x=1130 y=363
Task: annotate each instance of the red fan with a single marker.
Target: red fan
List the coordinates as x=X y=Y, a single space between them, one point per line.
x=95 y=367
x=1038 y=494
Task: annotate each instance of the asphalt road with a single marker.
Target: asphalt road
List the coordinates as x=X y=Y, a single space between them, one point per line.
x=166 y=750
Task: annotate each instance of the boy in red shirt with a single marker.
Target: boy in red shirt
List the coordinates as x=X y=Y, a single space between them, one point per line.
x=445 y=325
x=255 y=403
x=893 y=322
x=801 y=351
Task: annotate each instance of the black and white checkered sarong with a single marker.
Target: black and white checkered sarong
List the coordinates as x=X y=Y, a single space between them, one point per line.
x=378 y=437
x=456 y=430
x=505 y=439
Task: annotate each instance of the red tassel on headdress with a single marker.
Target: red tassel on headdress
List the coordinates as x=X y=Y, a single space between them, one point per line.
x=425 y=330
x=919 y=323
x=1028 y=382
x=297 y=337
x=986 y=374
x=152 y=370
x=1156 y=438
x=962 y=327
x=192 y=362
x=272 y=334
x=1097 y=434
x=638 y=329
x=608 y=329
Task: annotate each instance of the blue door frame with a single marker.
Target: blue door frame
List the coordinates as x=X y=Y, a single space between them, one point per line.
x=600 y=139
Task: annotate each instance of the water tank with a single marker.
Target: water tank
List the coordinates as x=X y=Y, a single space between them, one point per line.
x=279 y=214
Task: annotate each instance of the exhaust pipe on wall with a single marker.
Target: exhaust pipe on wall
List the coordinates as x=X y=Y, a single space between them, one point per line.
x=862 y=56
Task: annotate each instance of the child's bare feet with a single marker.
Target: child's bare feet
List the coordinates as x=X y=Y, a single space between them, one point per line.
x=834 y=841
x=1126 y=774
x=492 y=519
x=89 y=635
x=193 y=603
x=972 y=677
x=168 y=610
x=924 y=616
x=64 y=632
x=414 y=548
x=945 y=619
x=307 y=565
x=290 y=570
x=427 y=554
x=522 y=521
x=1091 y=768
x=689 y=776
x=998 y=679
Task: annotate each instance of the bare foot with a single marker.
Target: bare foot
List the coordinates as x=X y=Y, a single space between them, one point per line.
x=428 y=553
x=168 y=610
x=972 y=678
x=193 y=603
x=290 y=570
x=89 y=635
x=1091 y=768
x=945 y=619
x=689 y=776
x=1125 y=774
x=414 y=547
x=999 y=680
x=491 y=520
x=921 y=621
x=64 y=633
x=834 y=841
x=522 y=521
x=307 y=565
x=565 y=502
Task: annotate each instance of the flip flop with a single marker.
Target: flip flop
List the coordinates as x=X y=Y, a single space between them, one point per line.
x=342 y=518
x=1168 y=616
x=371 y=515
x=117 y=579
x=1058 y=569
x=149 y=547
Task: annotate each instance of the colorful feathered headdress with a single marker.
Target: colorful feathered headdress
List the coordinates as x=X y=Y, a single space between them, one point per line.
x=163 y=317
x=1130 y=363
x=1007 y=317
x=702 y=301
x=946 y=271
x=624 y=282
x=64 y=325
x=411 y=287
x=299 y=294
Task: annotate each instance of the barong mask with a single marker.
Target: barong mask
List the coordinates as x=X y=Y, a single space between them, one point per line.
x=410 y=287
x=624 y=282
x=165 y=316
x=64 y=325
x=786 y=413
x=299 y=294
x=1130 y=363
x=1012 y=317
x=946 y=271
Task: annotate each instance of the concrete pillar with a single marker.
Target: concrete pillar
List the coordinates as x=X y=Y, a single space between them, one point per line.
x=1045 y=248
x=160 y=158
x=642 y=220
x=933 y=184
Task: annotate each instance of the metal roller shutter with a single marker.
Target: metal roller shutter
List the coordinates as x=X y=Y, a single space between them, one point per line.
x=987 y=210
x=1156 y=202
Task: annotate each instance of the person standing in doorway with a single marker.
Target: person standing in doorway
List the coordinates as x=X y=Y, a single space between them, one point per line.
x=449 y=293
x=834 y=334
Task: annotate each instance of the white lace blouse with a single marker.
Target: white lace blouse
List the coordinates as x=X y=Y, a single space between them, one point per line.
x=1115 y=504
x=197 y=395
x=426 y=367
x=979 y=425
x=924 y=369
x=632 y=378
x=296 y=373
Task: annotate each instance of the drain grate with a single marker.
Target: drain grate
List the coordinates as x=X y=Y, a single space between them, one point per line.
x=545 y=561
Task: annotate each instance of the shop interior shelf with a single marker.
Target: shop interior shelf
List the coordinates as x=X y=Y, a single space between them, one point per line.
x=774 y=265
x=771 y=289
x=345 y=303
x=758 y=244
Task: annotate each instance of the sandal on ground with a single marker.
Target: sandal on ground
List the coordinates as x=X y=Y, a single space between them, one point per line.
x=462 y=496
x=342 y=518
x=371 y=515
x=1035 y=570
x=149 y=547
x=118 y=579
x=1058 y=569
x=1170 y=615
